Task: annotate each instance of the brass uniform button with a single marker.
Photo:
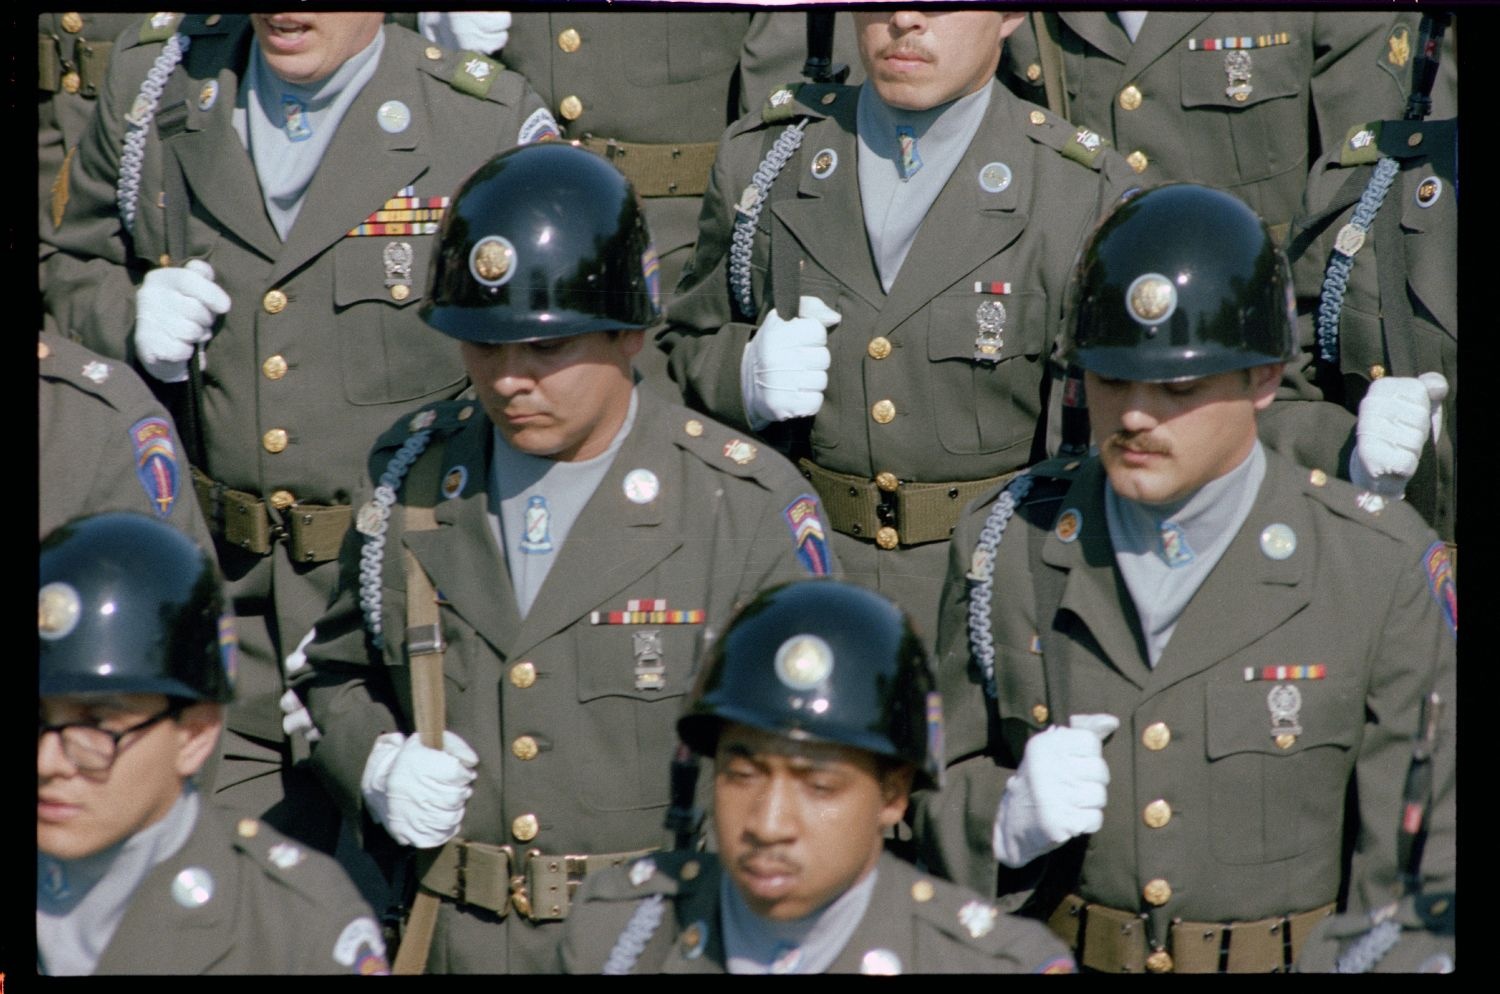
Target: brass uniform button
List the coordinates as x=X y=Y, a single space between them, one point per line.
x=71 y=82
x=883 y=411
x=1414 y=139
x=247 y=828
x=1130 y=97
x=42 y=351
x=523 y=675
x=274 y=302
x=1159 y=962
x=524 y=828
x=1318 y=478
x=1157 y=814
x=879 y=348
x=828 y=98
x=400 y=291
x=213 y=19
x=1033 y=72
x=524 y=748
x=1285 y=741
x=1038 y=117
x=1138 y=161
x=690 y=870
x=274 y=440
x=569 y=41
x=887 y=538
x=274 y=367
x=887 y=482
x=1156 y=736
x=1157 y=892
x=433 y=52
x=571 y=108
x=283 y=499
x=465 y=413
x=1040 y=714
x=694 y=428
x=72 y=22
x=922 y=891
x=1377 y=371
x=164 y=260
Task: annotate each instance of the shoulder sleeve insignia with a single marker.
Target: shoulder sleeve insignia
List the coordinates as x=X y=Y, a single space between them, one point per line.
x=1058 y=964
x=361 y=948
x=541 y=126
x=805 y=521
x=1442 y=583
x=156 y=463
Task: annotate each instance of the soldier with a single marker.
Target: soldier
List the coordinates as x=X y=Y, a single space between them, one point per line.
x=104 y=443
x=288 y=169
x=1241 y=100
x=818 y=710
x=922 y=361
x=567 y=530
x=135 y=873
x=1207 y=661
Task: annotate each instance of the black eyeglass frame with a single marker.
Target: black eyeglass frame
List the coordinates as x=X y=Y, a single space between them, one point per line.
x=91 y=765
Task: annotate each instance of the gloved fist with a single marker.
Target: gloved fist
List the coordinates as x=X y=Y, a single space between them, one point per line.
x=418 y=793
x=296 y=720
x=1059 y=791
x=1395 y=419
x=484 y=31
x=175 y=309
x=784 y=370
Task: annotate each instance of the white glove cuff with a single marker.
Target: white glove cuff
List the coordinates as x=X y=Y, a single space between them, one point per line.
x=372 y=783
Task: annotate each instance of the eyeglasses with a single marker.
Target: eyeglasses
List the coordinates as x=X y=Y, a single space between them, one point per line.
x=93 y=749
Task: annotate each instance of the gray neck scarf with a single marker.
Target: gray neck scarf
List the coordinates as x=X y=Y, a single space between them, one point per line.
x=935 y=141
x=1166 y=551
x=290 y=126
x=753 y=944
x=80 y=902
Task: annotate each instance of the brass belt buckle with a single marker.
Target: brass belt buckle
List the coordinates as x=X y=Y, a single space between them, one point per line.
x=520 y=898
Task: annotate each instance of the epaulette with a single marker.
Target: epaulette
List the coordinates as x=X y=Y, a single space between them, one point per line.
x=968 y=919
x=470 y=72
x=280 y=857
x=158 y=27
x=1079 y=144
x=59 y=358
x=1395 y=519
x=443 y=417
x=804 y=100
x=660 y=873
x=729 y=451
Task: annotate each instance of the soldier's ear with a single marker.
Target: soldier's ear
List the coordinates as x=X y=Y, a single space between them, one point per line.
x=895 y=791
x=198 y=728
x=1009 y=21
x=1263 y=383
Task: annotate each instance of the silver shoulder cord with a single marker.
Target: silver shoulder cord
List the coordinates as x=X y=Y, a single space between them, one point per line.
x=138 y=121
x=747 y=212
x=1350 y=237
x=379 y=512
x=982 y=572
x=638 y=931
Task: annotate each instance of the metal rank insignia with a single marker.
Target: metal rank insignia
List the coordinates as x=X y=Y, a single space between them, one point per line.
x=650 y=673
x=1285 y=702
x=1237 y=66
x=397 y=258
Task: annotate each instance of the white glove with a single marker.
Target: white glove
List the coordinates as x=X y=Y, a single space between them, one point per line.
x=418 y=793
x=484 y=31
x=1058 y=792
x=296 y=720
x=784 y=370
x=1395 y=419
x=175 y=309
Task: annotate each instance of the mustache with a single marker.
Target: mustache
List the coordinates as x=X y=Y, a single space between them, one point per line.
x=905 y=50
x=762 y=862
x=1135 y=442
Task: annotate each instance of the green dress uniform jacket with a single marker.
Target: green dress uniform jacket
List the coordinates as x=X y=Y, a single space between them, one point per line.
x=1169 y=104
x=572 y=710
x=104 y=443
x=907 y=399
x=916 y=923
x=1218 y=810
x=1399 y=313
x=243 y=898
x=322 y=347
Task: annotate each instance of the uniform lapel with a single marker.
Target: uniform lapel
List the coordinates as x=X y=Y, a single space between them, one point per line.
x=215 y=164
x=614 y=541
x=966 y=224
x=460 y=555
x=364 y=164
x=1247 y=594
x=1099 y=30
x=1159 y=34
x=826 y=217
x=200 y=936
x=1093 y=589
